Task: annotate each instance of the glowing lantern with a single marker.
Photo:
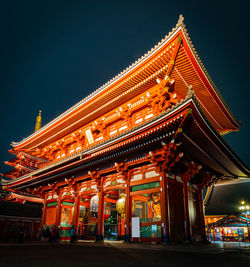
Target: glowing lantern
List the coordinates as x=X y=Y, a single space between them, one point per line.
x=120 y=205
x=83 y=213
x=94 y=206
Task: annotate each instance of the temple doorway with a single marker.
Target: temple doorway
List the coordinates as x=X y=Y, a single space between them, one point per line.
x=87 y=220
x=110 y=215
x=113 y=215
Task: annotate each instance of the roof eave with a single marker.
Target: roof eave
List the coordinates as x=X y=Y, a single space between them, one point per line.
x=231 y=116
x=190 y=101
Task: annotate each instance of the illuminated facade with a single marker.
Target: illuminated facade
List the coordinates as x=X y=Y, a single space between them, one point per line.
x=143 y=145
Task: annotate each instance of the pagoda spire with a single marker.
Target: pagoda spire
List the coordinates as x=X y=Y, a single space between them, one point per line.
x=38 y=121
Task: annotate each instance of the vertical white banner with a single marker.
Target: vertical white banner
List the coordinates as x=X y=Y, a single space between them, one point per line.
x=136 y=227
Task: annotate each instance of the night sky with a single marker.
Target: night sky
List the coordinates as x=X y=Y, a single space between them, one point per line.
x=54 y=53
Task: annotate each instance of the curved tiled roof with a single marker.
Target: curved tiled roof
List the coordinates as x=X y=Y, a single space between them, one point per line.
x=179 y=25
x=107 y=83
x=106 y=145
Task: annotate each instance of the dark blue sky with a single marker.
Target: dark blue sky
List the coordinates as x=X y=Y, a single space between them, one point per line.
x=54 y=53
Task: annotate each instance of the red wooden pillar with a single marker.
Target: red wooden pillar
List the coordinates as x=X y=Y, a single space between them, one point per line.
x=99 y=234
x=186 y=211
x=128 y=210
x=202 y=218
x=164 y=208
x=122 y=168
x=76 y=209
x=44 y=209
x=59 y=208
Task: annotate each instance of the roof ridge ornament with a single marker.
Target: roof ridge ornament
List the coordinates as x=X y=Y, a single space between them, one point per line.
x=180 y=21
x=190 y=92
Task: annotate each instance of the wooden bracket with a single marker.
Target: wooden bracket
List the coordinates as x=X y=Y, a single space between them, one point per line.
x=122 y=168
x=166 y=158
x=95 y=176
x=193 y=169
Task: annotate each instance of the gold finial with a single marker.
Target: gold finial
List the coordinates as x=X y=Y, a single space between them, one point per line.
x=38 y=121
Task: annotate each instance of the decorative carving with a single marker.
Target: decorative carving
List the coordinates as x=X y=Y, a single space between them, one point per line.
x=190 y=92
x=193 y=169
x=166 y=158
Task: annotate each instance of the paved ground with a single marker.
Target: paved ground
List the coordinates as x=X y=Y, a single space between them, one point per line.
x=120 y=254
